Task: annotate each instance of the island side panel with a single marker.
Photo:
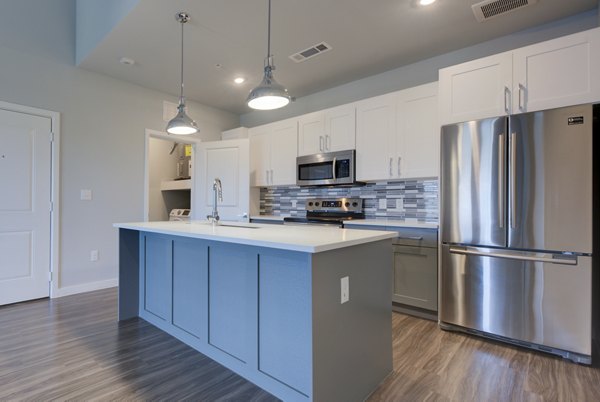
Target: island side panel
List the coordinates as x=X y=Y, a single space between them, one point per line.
x=352 y=342
x=129 y=273
x=284 y=318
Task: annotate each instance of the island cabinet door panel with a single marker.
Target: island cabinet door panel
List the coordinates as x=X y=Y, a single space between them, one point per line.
x=232 y=312
x=190 y=286
x=284 y=314
x=157 y=269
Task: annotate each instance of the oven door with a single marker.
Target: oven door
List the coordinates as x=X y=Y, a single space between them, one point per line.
x=325 y=169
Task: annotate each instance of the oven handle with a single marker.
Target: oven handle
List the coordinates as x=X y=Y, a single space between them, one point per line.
x=333 y=167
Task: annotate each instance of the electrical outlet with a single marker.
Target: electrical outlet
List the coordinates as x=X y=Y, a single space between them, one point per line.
x=86 y=195
x=94 y=255
x=345 y=291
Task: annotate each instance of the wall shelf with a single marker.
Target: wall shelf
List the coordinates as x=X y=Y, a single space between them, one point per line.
x=167 y=185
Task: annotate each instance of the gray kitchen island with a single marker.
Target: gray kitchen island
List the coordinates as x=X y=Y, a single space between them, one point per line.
x=266 y=301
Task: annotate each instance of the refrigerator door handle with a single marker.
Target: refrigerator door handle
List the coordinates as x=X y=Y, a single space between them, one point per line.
x=476 y=252
x=513 y=180
x=501 y=179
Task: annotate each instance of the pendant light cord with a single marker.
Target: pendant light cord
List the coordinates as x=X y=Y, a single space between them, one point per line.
x=183 y=21
x=269 y=37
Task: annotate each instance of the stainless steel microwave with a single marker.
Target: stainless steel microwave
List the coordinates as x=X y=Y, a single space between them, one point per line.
x=326 y=169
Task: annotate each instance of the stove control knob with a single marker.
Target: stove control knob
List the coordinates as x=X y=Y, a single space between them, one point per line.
x=310 y=204
x=355 y=204
x=347 y=204
x=317 y=204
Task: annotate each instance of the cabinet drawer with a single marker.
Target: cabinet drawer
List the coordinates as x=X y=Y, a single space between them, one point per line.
x=414 y=236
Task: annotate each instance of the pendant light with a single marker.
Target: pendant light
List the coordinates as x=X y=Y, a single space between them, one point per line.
x=182 y=124
x=269 y=94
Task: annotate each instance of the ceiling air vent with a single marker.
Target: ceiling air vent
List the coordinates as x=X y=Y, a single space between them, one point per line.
x=311 y=52
x=492 y=8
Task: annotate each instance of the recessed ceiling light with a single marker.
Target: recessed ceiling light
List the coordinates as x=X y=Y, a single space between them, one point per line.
x=239 y=80
x=426 y=2
x=127 y=61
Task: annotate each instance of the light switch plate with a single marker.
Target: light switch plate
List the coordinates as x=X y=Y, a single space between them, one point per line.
x=94 y=255
x=345 y=289
x=86 y=195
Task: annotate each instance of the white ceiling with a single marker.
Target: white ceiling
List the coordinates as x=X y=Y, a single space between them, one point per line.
x=367 y=37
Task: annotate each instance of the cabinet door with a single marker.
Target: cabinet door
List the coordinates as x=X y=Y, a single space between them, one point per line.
x=260 y=155
x=311 y=134
x=556 y=73
x=418 y=141
x=340 y=128
x=228 y=161
x=415 y=277
x=157 y=275
x=375 y=134
x=477 y=89
x=284 y=150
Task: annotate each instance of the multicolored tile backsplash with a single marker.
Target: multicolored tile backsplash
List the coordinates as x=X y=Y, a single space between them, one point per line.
x=408 y=199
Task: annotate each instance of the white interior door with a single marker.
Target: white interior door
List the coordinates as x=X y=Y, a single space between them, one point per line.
x=25 y=180
x=228 y=161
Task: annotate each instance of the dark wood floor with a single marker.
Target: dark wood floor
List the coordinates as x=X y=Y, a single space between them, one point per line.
x=73 y=348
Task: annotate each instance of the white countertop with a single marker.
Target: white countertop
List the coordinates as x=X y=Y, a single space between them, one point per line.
x=269 y=217
x=309 y=239
x=392 y=222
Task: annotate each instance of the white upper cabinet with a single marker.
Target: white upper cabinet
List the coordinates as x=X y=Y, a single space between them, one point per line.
x=375 y=137
x=555 y=73
x=327 y=130
x=273 y=151
x=418 y=132
x=340 y=128
x=476 y=89
x=311 y=133
x=559 y=72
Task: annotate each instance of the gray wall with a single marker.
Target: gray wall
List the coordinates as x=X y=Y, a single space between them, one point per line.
x=102 y=136
x=421 y=72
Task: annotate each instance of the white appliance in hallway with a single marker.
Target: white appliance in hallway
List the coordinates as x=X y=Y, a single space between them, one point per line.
x=25 y=196
x=516 y=229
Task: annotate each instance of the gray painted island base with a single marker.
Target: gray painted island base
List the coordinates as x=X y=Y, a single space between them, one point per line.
x=273 y=316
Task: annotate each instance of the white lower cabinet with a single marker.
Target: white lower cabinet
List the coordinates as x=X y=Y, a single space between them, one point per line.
x=398 y=135
x=273 y=151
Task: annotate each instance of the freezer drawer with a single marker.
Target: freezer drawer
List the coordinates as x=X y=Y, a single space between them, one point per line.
x=531 y=298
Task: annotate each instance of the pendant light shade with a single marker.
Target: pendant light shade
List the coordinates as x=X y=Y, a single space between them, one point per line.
x=182 y=124
x=269 y=94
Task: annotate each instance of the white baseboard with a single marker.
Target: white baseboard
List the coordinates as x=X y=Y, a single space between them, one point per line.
x=84 y=287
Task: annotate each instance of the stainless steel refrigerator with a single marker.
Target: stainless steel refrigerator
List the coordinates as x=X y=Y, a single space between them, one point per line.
x=516 y=229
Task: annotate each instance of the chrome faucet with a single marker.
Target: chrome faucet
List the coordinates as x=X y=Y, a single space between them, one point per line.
x=217 y=196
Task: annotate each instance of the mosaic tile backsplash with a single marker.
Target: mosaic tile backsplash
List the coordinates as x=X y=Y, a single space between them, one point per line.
x=408 y=199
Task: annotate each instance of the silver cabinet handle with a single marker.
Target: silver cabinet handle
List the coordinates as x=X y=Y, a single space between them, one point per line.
x=551 y=260
x=507 y=100
x=321 y=143
x=328 y=143
x=267 y=174
x=399 y=159
x=333 y=167
x=521 y=97
x=271 y=176
x=501 y=179
x=391 y=174
x=513 y=180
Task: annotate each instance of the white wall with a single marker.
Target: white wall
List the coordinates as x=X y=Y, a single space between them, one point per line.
x=419 y=73
x=102 y=141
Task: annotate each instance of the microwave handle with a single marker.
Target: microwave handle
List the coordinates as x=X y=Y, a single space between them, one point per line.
x=333 y=167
